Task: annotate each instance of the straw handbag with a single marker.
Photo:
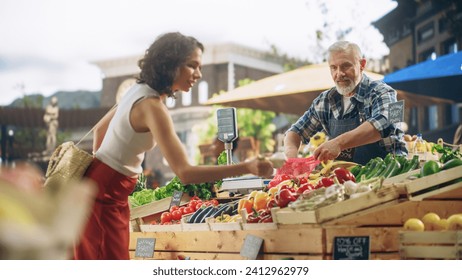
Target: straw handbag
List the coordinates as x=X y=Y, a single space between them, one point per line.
x=67 y=163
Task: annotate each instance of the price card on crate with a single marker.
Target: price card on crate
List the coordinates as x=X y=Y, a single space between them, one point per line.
x=176 y=199
x=351 y=247
x=396 y=112
x=251 y=247
x=145 y=247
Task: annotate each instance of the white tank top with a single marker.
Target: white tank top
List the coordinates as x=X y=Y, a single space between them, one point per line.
x=122 y=148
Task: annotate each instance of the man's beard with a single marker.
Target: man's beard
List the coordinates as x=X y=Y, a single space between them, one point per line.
x=345 y=90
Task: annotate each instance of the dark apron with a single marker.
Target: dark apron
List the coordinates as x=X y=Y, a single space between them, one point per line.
x=361 y=154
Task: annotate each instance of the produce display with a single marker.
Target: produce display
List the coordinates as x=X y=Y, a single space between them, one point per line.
x=388 y=167
x=195 y=207
x=306 y=192
x=143 y=195
x=433 y=222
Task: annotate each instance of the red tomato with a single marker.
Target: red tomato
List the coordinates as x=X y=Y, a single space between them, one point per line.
x=214 y=202
x=198 y=205
x=182 y=209
x=193 y=203
x=189 y=210
x=165 y=217
x=176 y=215
x=173 y=208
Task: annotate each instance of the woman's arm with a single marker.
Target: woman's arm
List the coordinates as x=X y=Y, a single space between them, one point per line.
x=153 y=113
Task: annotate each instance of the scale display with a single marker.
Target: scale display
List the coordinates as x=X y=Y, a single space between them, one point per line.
x=227 y=124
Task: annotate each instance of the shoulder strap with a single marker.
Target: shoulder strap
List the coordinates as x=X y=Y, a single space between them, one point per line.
x=93 y=128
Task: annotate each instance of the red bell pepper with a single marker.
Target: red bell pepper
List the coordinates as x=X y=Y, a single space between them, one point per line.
x=344 y=175
x=283 y=197
x=304 y=187
x=325 y=182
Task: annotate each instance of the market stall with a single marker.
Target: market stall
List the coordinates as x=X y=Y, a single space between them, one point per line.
x=324 y=223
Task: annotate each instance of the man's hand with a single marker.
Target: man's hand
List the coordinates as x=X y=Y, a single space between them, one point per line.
x=328 y=151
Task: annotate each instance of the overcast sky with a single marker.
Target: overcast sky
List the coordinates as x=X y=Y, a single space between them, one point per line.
x=48 y=45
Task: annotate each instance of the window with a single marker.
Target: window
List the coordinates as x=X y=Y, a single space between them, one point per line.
x=425 y=33
x=406 y=29
x=455 y=113
x=450 y=46
x=442 y=25
x=433 y=117
x=428 y=54
x=186 y=98
x=203 y=92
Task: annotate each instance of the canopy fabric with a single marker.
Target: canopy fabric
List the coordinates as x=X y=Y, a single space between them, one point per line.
x=293 y=92
x=438 y=78
x=444 y=66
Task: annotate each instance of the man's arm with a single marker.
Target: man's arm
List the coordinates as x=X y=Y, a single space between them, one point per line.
x=291 y=144
x=364 y=134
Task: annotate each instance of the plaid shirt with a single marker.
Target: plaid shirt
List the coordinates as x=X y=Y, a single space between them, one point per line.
x=374 y=96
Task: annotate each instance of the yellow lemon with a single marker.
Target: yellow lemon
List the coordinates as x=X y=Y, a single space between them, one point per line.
x=455 y=222
x=441 y=224
x=430 y=220
x=414 y=224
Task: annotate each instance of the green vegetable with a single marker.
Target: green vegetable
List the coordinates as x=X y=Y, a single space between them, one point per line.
x=356 y=169
x=392 y=169
x=446 y=153
x=366 y=169
x=388 y=158
x=452 y=163
x=410 y=164
x=429 y=168
x=376 y=167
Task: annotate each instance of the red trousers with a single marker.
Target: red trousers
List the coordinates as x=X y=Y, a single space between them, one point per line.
x=106 y=235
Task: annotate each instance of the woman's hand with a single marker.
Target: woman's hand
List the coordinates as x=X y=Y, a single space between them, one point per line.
x=260 y=167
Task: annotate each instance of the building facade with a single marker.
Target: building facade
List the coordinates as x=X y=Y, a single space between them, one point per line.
x=416 y=31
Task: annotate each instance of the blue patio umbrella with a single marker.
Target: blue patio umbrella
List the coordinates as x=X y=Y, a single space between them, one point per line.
x=441 y=77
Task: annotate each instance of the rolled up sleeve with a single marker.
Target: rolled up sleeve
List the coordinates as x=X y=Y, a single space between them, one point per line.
x=379 y=110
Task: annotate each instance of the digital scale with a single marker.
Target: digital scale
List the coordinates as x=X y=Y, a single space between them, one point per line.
x=227 y=133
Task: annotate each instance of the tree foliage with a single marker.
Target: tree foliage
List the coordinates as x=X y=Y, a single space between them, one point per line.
x=251 y=123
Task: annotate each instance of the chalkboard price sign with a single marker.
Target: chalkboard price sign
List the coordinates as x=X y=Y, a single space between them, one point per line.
x=251 y=247
x=396 y=112
x=176 y=198
x=351 y=247
x=145 y=247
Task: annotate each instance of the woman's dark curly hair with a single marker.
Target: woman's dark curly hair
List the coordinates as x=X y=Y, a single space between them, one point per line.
x=163 y=58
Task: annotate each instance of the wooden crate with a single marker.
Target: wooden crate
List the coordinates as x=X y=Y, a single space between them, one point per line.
x=440 y=185
x=396 y=212
x=431 y=245
x=333 y=211
x=144 y=214
x=288 y=241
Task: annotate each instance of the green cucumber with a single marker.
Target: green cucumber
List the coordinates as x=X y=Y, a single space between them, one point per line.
x=452 y=163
